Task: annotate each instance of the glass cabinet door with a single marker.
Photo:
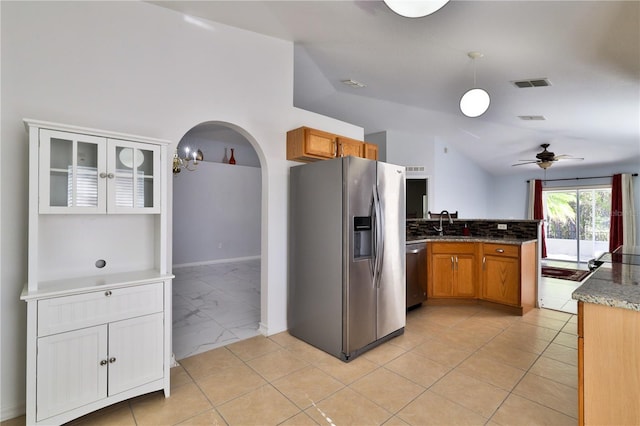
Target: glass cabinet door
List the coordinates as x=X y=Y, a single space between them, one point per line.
x=70 y=172
x=135 y=187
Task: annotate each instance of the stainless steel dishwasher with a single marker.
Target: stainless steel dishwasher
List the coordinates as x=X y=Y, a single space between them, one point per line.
x=416 y=264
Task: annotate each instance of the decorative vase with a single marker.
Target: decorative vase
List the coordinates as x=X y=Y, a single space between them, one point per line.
x=225 y=159
x=232 y=159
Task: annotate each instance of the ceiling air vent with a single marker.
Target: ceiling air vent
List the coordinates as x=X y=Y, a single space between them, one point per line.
x=534 y=82
x=414 y=169
x=532 y=117
x=353 y=83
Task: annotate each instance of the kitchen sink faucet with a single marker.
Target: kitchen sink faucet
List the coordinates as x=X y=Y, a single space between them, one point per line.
x=439 y=229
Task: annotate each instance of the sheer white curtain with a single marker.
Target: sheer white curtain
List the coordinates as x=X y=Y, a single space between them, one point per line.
x=628 y=209
x=532 y=198
x=535 y=210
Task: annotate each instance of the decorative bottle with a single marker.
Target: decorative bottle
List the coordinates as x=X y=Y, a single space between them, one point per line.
x=225 y=159
x=232 y=159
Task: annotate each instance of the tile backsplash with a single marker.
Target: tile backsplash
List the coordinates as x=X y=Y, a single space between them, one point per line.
x=488 y=228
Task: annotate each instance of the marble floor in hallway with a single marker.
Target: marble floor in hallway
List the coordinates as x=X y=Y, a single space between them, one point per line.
x=215 y=305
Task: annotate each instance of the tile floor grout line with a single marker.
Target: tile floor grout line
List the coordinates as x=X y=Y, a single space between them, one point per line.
x=528 y=371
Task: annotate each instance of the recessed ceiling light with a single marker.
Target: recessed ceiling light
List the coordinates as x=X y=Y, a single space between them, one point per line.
x=353 y=83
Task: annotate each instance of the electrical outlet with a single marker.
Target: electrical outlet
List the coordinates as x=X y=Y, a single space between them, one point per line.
x=502 y=226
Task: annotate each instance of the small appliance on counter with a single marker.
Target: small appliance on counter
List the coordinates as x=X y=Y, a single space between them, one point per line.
x=347 y=254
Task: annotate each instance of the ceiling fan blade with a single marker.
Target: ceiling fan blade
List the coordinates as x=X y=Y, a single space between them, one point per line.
x=527 y=162
x=568 y=158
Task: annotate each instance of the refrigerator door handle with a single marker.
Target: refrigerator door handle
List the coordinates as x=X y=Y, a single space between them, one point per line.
x=373 y=262
x=379 y=224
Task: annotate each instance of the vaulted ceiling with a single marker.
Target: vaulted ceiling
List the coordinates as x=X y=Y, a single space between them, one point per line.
x=416 y=69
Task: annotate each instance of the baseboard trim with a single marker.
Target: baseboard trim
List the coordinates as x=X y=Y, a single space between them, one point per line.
x=216 y=261
x=12 y=412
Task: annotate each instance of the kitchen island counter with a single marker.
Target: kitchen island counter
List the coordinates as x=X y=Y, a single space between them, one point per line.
x=609 y=341
x=615 y=283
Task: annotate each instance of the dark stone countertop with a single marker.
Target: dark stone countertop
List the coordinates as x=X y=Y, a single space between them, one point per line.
x=467 y=239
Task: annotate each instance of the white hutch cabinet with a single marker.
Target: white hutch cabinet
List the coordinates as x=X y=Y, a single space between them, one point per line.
x=99 y=289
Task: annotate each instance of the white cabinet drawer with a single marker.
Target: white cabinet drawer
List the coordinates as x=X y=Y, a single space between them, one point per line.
x=66 y=313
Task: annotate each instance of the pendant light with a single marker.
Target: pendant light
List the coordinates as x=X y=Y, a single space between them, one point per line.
x=415 y=8
x=475 y=102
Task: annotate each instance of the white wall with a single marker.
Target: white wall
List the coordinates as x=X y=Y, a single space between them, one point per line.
x=141 y=69
x=459 y=184
x=216 y=213
x=410 y=149
x=379 y=139
x=456 y=182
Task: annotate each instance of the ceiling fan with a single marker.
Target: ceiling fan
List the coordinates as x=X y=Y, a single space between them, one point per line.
x=545 y=159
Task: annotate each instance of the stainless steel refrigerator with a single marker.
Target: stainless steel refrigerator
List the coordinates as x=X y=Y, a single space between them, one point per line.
x=346 y=254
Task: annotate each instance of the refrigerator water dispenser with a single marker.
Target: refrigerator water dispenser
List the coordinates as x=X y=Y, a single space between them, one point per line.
x=361 y=237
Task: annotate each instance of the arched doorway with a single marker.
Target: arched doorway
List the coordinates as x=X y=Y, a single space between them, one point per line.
x=216 y=240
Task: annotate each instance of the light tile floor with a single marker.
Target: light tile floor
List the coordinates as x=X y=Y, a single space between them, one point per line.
x=453 y=365
x=556 y=294
x=215 y=305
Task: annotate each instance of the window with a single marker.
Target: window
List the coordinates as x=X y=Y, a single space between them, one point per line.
x=577 y=222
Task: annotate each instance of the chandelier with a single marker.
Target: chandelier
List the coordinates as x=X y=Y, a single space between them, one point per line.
x=189 y=161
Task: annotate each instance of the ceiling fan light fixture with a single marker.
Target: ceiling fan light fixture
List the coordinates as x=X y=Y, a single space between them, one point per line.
x=475 y=102
x=415 y=8
x=544 y=164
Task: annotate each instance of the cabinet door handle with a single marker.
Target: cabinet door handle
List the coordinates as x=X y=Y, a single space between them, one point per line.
x=342 y=150
x=335 y=148
x=499 y=250
x=484 y=262
x=108 y=293
x=452 y=263
x=103 y=175
x=103 y=362
x=110 y=175
x=112 y=360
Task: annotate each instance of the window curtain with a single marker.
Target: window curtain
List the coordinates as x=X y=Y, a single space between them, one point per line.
x=622 y=229
x=536 y=210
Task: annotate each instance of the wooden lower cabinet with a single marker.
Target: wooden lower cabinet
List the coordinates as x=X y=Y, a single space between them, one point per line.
x=608 y=365
x=506 y=274
x=509 y=274
x=451 y=268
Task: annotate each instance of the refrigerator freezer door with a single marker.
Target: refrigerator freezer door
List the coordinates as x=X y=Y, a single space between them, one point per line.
x=359 y=289
x=391 y=287
x=316 y=289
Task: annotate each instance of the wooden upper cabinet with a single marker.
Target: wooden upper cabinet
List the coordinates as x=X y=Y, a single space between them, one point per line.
x=348 y=146
x=306 y=145
x=370 y=151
